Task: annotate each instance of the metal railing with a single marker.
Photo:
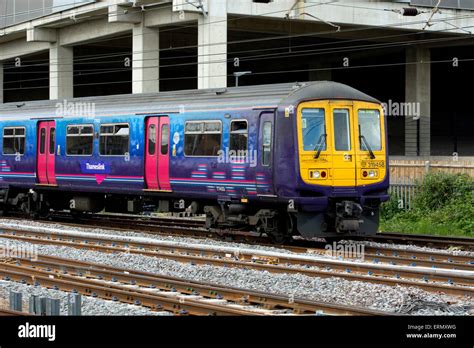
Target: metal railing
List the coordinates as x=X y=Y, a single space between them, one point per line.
x=404 y=192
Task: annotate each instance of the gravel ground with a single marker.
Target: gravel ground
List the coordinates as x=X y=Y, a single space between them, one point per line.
x=453 y=251
x=148 y=237
x=403 y=300
x=90 y=305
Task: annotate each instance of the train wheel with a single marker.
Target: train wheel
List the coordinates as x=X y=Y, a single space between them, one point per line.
x=282 y=234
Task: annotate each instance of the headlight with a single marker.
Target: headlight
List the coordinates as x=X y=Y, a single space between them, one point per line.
x=318 y=174
x=370 y=173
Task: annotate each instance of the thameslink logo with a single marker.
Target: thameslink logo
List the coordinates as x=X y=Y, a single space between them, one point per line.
x=99 y=166
x=238 y=156
x=67 y=108
x=37 y=331
x=93 y=167
x=346 y=251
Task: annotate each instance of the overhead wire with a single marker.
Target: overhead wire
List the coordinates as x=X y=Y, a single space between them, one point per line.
x=268 y=38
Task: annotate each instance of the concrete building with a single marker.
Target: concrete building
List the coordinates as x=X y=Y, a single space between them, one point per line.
x=415 y=57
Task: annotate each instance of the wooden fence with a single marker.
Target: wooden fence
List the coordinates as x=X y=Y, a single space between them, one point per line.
x=416 y=169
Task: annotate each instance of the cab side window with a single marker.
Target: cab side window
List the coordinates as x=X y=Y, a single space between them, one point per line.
x=239 y=135
x=267 y=143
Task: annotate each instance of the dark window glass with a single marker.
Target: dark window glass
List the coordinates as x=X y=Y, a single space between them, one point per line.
x=73 y=130
x=79 y=140
x=342 y=136
x=52 y=140
x=266 y=143
x=202 y=138
x=165 y=139
x=152 y=139
x=9 y=146
x=14 y=141
x=42 y=140
x=313 y=125
x=107 y=130
x=89 y=130
x=8 y=131
x=239 y=135
x=114 y=140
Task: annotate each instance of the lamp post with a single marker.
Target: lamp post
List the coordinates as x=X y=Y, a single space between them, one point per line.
x=239 y=74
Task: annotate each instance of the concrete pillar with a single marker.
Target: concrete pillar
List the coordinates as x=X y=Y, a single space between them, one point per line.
x=1 y=83
x=212 y=51
x=418 y=90
x=146 y=59
x=60 y=72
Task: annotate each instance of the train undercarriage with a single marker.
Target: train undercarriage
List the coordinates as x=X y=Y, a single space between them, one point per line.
x=345 y=217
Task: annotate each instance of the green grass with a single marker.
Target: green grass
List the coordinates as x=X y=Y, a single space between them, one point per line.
x=443 y=205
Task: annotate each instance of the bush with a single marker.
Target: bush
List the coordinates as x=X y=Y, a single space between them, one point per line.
x=444 y=204
x=440 y=189
x=390 y=208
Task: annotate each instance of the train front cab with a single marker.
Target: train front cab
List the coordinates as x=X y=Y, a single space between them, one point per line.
x=343 y=157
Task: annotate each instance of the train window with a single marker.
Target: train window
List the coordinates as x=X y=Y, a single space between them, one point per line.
x=79 y=140
x=14 y=141
x=342 y=135
x=152 y=139
x=313 y=124
x=42 y=140
x=202 y=138
x=114 y=140
x=267 y=143
x=239 y=135
x=369 y=128
x=165 y=139
x=52 y=140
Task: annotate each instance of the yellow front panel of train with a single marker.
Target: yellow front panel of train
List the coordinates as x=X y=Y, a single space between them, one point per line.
x=334 y=138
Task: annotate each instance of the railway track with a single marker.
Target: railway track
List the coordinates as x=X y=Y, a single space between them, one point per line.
x=392 y=255
x=386 y=253
x=456 y=282
x=10 y=313
x=396 y=256
x=194 y=227
x=163 y=293
x=462 y=243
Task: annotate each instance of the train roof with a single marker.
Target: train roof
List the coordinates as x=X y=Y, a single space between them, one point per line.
x=245 y=97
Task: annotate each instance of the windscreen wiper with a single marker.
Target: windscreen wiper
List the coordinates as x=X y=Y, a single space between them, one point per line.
x=319 y=148
x=362 y=139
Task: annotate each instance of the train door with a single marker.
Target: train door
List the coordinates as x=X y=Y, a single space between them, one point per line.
x=46 y=153
x=264 y=175
x=157 y=153
x=343 y=157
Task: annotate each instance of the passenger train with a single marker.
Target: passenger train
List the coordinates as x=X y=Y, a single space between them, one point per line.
x=306 y=159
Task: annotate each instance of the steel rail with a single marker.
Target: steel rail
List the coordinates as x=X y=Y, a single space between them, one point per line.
x=108 y=291
x=58 y=266
x=374 y=273
x=167 y=250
